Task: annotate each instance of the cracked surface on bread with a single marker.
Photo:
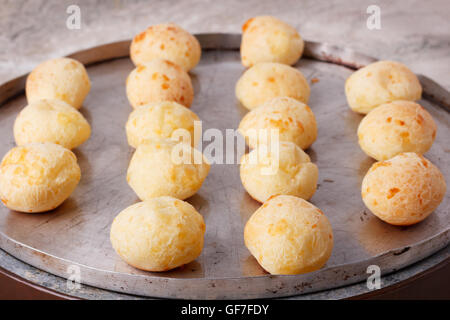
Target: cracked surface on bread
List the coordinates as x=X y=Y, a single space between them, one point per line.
x=166 y=41
x=62 y=78
x=267 y=80
x=293 y=173
x=51 y=120
x=396 y=127
x=159 y=80
x=152 y=171
x=403 y=190
x=268 y=39
x=159 y=234
x=38 y=177
x=381 y=82
x=294 y=121
x=289 y=235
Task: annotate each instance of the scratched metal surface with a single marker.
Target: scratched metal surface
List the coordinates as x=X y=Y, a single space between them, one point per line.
x=78 y=231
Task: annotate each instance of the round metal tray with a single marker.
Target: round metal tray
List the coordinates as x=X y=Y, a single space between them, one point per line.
x=77 y=233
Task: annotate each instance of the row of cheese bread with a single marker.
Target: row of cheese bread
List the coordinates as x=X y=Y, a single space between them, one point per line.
x=162 y=231
x=403 y=188
x=41 y=172
x=287 y=234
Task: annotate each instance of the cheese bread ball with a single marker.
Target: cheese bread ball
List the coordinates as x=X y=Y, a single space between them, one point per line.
x=159 y=234
x=294 y=121
x=166 y=168
x=267 y=39
x=288 y=171
x=403 y=190
x=159 y=80
x=288 y=235
x=268 y=80
x=166 y=41
x=65 y=79
x=51 y=121
x=38 y=177
x=394 y=128
x=381 y=82
x=159 y=120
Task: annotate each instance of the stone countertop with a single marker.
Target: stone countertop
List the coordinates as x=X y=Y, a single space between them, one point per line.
x=414 y=32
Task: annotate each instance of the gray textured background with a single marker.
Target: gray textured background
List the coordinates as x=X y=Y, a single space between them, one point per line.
x=414 y=32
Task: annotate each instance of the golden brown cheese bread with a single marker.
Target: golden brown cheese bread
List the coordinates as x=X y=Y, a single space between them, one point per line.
x=287 y=170
x=38 y=177
x=293 y=120
x=403 y=190
x=65 y=79
x=267 y=80
x=51 y=121
x=394 y=128
x=159 y=80
x=159 y=234
x=288 y=235
x=268 y=39
x=381 y=82
x=166 y=41
x=166 y=168
x=159 y=120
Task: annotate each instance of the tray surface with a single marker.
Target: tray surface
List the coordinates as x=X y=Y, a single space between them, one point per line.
x=78 y=231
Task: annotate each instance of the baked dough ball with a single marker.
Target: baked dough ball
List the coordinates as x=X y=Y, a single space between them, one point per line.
x=394 y=128
x=166 y=41
x=38 y=177
x=267 y=39
x=51 y=121
x=288 y=171
x=288 y=235
x=65 y=79
x=159 y=120
x=159 y=80
x=159 y=234
x=381 y=82
x=267 y=80
x=166 y=168
x=403 y=190
x=294 y=121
